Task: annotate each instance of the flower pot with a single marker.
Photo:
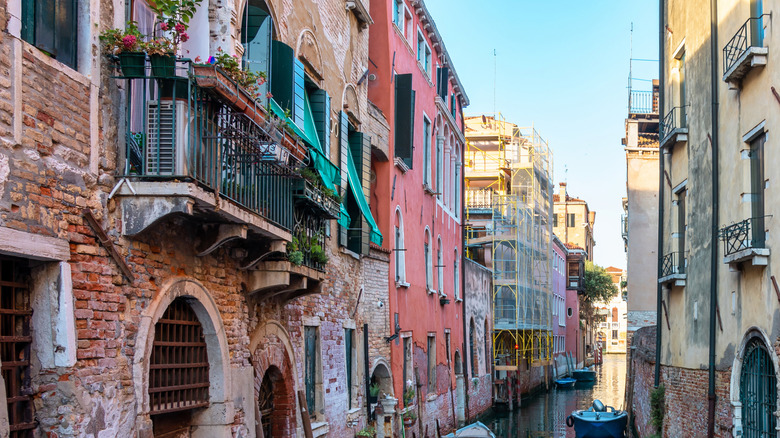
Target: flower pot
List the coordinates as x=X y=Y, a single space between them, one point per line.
x=175 y=88
x=409 y=422
x=163 y=66
x=133 y=64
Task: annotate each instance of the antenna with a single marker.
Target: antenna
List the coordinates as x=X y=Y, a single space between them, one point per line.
x=494 y=83
x=630 y=63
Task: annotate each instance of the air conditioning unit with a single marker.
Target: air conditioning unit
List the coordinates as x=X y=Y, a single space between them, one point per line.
x=166 y=138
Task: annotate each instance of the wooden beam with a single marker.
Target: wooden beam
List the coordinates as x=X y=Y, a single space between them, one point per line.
x=774 y=284
x=306 y=420
x=666 y=314
x=33 y=246
x=107 y=244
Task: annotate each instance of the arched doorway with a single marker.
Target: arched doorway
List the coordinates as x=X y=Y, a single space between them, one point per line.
x=273 y=404
x=758 y=391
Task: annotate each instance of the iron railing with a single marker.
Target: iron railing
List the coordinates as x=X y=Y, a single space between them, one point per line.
x=624 y=227
x=673 y=263
x=479 y=199
x=309 y=230
x=749 y=233
x=642 y=102
x=750 y=34
x=179 y=131
x=675 y=119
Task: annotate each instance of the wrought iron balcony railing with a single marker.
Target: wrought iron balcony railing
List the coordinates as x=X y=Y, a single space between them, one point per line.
x=642 y=102
x=675 y=119
x=177 y=130
x=749 y=233
x=750 y=34
x=673 y=263
x=306 y=192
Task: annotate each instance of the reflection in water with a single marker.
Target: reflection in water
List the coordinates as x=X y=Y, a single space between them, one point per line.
x=545 y=414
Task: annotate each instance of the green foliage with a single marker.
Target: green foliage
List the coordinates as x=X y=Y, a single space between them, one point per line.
x=410 y=415
x=657 y=408
x=367 y=431
x=318 y=255
x=173 y=17
x=374 y=389
x=116 y=41
x=295 y=257
x=598 y=287
x=250 y=81
x=408 y=396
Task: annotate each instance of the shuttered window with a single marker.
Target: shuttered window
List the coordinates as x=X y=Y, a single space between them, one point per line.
x=349 y=350
x=51 y=25
x=442 y=80
x=320 y=111
x=310 y=367
x=288 y=81
x=15 y=343
x=355 y=152
x=404 y=118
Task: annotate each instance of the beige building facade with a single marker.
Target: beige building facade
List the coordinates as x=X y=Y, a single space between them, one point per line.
x=573 y=221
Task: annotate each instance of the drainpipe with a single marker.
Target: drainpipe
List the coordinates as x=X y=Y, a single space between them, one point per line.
x=661 y=159
x=715 y=206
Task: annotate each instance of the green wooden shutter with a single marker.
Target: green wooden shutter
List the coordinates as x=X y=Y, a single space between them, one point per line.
x=282 y=57
x=310 y=364
x=442 y=80
x=45 y=20
x=28 y=21
x=298 y=93
x=65 y=32
x=320 y=109
x=348 y=348
x=404 y=118
x=360 y=146
x=343 y=157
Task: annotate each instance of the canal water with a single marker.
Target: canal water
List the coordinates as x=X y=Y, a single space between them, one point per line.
x=544 y=415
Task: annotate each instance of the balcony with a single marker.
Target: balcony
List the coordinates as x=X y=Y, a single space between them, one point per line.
x=479 y=201
x=200 y=146
x=745 y=241
x=642 y=102
x=673 y=267
x=674 y=128
x=745 y=50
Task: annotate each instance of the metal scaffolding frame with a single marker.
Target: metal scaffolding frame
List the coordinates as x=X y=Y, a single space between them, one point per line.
x=512 y=168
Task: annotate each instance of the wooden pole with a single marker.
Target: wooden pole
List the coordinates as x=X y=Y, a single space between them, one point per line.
x=305 y=415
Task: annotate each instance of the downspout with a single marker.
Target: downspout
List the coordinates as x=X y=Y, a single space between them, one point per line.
x=661 y=160
x=711 y=397
x=463 y=280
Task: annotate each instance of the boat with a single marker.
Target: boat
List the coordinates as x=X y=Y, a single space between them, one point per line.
x=584 y=375
x=598 y=421
x=474 y=430
x=565 y=383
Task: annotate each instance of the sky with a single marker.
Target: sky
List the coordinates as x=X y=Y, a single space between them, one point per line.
x=562 y=66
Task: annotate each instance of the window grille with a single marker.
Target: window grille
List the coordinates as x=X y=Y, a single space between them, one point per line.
x=15 y=342
x=179 y=366
x=758 y=392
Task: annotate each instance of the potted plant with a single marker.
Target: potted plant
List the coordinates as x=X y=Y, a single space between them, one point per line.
x=294 y=253
x=373 y=392
x=127 y=45
x=408 y=395
x=409 y=418
x=368 y=432
x=173 y=17
x=318 y=255
x=250 y=81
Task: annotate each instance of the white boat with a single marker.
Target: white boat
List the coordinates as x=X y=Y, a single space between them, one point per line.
x=474 y=430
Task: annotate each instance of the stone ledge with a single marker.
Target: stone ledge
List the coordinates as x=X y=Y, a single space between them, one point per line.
x=678 y=135
x=756 y=256
x=675 y=279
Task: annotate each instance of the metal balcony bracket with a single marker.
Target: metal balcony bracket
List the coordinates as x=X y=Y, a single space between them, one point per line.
x=141 y=212
x=217 y=235
x=258 y=255
x=282 y=279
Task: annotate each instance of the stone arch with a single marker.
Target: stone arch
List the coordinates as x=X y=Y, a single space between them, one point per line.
x=271 y=349
x=380 y=373
x=351 y=104
x=218 y=416
x=736 y=371
x=458 y=363
x=308 y=52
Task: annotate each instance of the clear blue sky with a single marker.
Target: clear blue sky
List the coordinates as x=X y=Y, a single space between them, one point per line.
x=563 y=66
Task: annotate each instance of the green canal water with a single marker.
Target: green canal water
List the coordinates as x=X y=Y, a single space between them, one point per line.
x=544 y=415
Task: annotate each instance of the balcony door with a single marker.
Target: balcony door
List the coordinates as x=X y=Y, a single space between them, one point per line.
x=256 y=36
x=757 y=25
x=757 y=190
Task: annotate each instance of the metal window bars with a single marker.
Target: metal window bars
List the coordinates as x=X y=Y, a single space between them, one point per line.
x=673 y=263
x=675 y=119
x=178 y=364
x=15 y=343
x=749 y=233
x=758 y=391
x=750 y=34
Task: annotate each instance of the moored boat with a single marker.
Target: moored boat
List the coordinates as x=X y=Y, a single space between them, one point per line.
x=474 y=430
x=598 y=421
x=565 y=383
x=584 y=374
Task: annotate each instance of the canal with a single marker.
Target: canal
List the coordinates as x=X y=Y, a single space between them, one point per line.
x=544 y=415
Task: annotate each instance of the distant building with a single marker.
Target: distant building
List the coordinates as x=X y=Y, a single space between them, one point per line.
x=612 y=331
x=573 y=221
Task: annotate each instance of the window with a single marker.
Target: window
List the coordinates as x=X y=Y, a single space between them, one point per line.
x=614 y=334
x=439 y=166
x=472 y=350
x=488 y=355
x=404 y=119
x=349 y=349
x=681 y=226
x=456 y=276
x=614 y=314
x=758 y=391
x=398 y=17
x=428 y=262
x=400 y=248
x=408 y=383
x=423 y=53
x=431 y=363
x=178 y=364
x=757 y=185
x=256 y=37
x=426 y=152
x=569 y=312
x=440 y=268
x=51 y=26
x=570 y=222
x=15 y=344
x=447 y=344
x=311 y=367
x=457 y=186
x=355 y=161
x=555 y=221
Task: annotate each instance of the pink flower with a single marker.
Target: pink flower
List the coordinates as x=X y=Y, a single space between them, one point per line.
x=164 y=26
x=129 y=41
x=260 y=81
x=180 y=27
x=184 y=36
x=235 y=56
x=269 y=95
x=198 y=60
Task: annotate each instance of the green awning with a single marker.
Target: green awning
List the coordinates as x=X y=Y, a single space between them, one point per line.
x=344 y=219
x=327 y=170
x=357 y=191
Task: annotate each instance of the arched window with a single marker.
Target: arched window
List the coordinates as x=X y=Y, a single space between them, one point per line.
x=256 y=36
x=758 y=391
x=400 y=248
x=472 y=350
x=440 y=267
x=428 y=262
x=439 y=165
x=456 y=182
x=614 y=314
x=456 y=276
x=488 y=355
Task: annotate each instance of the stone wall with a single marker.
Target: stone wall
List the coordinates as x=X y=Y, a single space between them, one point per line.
x=479 y=296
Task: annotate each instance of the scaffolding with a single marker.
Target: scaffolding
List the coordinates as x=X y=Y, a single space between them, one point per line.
x=509 y=206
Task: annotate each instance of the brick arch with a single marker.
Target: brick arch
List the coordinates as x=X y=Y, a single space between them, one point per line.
x=308 y=52
x=272 y=351
x=351 y=104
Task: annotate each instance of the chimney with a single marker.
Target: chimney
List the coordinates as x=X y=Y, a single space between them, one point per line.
x=591 y=218
x=562 y=192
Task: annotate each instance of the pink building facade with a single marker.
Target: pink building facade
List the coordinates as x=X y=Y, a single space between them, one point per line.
x=559 y=319
x=417 y=200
